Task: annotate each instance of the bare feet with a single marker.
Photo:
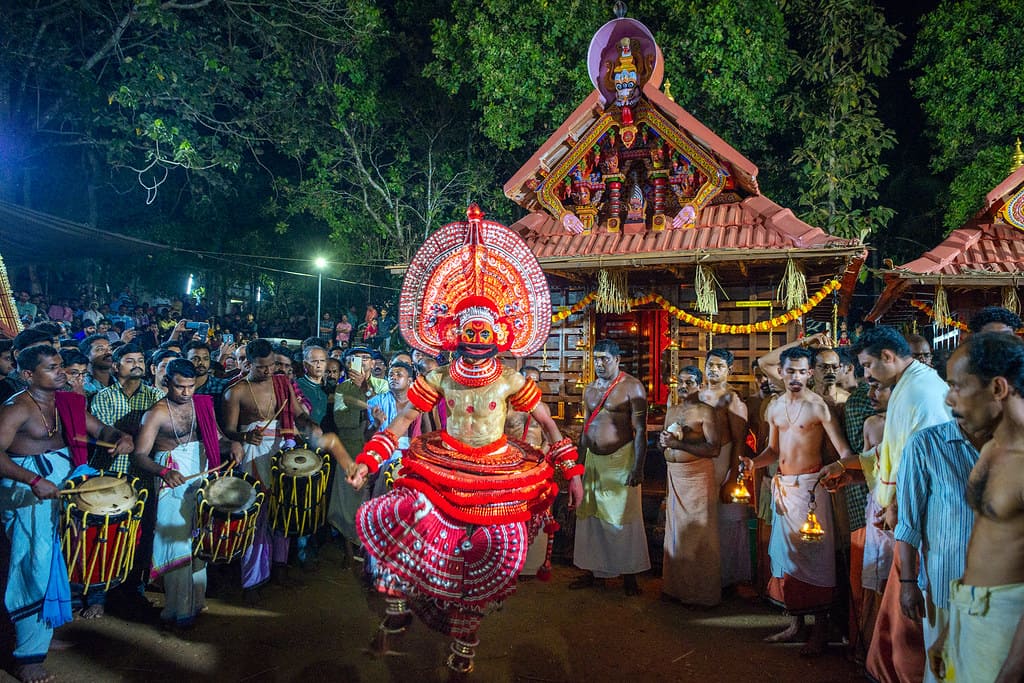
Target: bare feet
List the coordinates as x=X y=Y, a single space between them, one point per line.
x=252 y=596
x=92 y=612
x=630 y=585
x=33 y=673
x=586 y=581
x=796 y=633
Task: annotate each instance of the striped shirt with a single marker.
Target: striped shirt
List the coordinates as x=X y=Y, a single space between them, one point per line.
x=933 y=513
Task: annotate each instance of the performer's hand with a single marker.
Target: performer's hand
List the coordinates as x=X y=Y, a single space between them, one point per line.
x=935 y=661
x=45 y=490
x=173 y=478
x=124 y=445
x=379 y=416
x=357 y=478
x=254 y=436
x=237 y=453
x=911 y=601
x=834 y=484
x=575 y=492
x=635 y=478
x=668 y=440
x=748 y=463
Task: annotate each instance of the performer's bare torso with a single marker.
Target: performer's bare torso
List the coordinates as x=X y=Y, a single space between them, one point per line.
x=476 y=415
x=995 y=490
x=690 y=418
x=800 y=433
x=612 y=427
x=176 y=425
x=26 y=417
x=517 y=422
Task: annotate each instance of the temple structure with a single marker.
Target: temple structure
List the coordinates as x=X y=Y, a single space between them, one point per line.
x=653 y=231
x=979 y=264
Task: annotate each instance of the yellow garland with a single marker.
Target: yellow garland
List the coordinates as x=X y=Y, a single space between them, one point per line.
x=717 y=328
x=927 y=310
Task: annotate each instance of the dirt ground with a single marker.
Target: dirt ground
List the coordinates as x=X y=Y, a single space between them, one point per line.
x=546 y=632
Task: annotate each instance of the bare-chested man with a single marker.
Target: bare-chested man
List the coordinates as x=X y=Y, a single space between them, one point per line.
x=181 y=432
x=610 y=535
x=691 y=571
x=985 y=639
x=827 y=367
x=733 y=538
x=35 y=459
x=263 y=412
x=803 y=574
x=718 y=393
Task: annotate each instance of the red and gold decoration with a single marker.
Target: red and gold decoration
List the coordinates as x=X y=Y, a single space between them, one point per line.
x=10 y=323
x=708 y=325
x=475 y=269
x=944 y=322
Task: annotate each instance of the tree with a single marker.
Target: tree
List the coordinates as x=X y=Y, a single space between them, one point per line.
x=971 y=88
x=841 y=49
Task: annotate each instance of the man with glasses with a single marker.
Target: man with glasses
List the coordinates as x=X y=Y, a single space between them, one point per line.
x=920 y=349
x=826 y=377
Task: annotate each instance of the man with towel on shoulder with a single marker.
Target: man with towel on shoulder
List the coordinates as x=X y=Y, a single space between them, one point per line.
x=43 y=433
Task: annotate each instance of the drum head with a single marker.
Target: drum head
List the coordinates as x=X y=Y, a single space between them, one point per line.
x=299 y=462
x=230 y=493
x=105 y=495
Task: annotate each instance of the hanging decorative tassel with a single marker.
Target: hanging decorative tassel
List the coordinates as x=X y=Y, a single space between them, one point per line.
x=550 y=528
x=612 y=292
x=706 y=285
x=792 y=290
x=1010 y=300
x=941 y=307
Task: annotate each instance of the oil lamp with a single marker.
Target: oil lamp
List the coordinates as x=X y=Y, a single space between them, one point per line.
x=811 y=531
x=740 y=494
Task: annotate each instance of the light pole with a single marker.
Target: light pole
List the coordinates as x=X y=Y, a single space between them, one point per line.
x=321 y=263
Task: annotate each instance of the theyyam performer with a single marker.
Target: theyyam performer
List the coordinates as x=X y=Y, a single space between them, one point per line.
x=448 y=541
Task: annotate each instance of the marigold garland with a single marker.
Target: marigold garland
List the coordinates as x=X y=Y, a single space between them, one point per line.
x=717 y=328
x=927 y=310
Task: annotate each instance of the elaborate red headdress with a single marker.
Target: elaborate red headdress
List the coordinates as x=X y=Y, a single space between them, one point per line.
x=475 y=269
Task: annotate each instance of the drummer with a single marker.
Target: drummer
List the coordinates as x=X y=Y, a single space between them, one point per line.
x=42 y=433
x=262 y=411
x=182 y=432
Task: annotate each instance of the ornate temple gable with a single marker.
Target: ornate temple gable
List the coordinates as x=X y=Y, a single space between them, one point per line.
x=627 y=160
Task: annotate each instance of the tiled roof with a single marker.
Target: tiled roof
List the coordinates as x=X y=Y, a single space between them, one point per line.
x=984 y=252
x=756 y=223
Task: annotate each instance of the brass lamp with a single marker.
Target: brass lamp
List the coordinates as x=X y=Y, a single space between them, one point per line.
x=740 y=493
x=811 y=531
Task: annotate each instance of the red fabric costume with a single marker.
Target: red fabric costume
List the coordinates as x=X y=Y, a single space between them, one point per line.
x=453 y=534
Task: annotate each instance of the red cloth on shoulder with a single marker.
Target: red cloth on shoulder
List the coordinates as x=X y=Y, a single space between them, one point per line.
x=207 y=421
x=283 y=396
x=71 y=409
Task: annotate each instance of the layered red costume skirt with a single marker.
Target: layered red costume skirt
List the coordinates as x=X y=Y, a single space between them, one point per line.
x=453 y=534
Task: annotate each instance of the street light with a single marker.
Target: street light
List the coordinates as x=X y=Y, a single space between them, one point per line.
x=321 y=263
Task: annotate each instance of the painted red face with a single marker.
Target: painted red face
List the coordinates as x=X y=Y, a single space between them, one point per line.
x=477 y=332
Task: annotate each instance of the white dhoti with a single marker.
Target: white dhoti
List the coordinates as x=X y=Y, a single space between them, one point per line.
x=267 y=548
x=803 y=573
x=982 y=624
x=691 y=571
x=184 y=576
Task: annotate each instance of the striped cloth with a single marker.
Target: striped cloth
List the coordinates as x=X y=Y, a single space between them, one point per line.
x=934 y=516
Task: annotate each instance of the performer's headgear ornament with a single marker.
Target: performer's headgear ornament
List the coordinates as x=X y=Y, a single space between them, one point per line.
x=475 y=274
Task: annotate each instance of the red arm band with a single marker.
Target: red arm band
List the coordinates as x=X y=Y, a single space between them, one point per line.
x=563 y=456
x=527 y=398
x=423 y=396
x=378 y=449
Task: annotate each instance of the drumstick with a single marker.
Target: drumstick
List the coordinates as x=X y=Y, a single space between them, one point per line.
x=275 y=416
x=100 y=487
x=212 y=469
x=103 y=444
